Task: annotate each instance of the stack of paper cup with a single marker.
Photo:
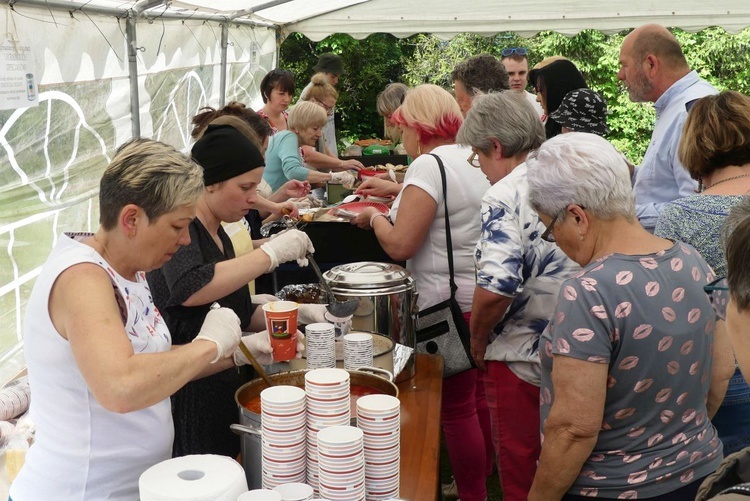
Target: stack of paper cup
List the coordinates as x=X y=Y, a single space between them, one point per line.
x=260 y=495
x=328 y=404
x=342 y=463
x=379 y=418
x=294 y=492
x=321 y=346
x=284 y=435
x=357 y=350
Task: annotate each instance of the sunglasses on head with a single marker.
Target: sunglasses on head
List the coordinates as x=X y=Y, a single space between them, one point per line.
x=519 y=51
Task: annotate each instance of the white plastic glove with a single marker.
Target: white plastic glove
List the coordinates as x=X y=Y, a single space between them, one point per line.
x=221 y=327
x=344 y=177
x=303 y=203
x=263 y=298
x=311 y=314
x=287 y=246
x=259 y=345
x=317 y=313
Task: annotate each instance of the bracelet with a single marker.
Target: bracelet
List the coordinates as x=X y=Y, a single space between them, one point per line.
x=377 y=214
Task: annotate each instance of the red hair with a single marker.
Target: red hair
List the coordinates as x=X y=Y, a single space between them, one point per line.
x=446 y=127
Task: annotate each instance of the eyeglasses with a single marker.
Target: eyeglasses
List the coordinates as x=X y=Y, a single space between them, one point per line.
x=329 y=109
x=474 y=160
x=718 y=294
x=519 y=51
x=547 y=235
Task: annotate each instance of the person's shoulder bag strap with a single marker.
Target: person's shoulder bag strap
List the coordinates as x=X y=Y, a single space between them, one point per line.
x=448 y=241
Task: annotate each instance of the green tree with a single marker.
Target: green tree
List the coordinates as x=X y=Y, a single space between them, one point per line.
x=720 y=57
x=369 y=65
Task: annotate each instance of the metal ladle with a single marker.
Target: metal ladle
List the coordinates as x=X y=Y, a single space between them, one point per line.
x=335 y=307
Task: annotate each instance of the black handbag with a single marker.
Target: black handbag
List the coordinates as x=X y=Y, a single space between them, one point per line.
x=442 y=329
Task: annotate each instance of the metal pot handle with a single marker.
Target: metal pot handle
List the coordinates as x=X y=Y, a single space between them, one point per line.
x=415 y=311
x=241 y=429
x=385 y=374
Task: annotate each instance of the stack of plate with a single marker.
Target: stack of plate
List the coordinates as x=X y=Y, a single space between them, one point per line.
x=284 y=435
x=327 y=405
x=342 y=463
x=379 y=418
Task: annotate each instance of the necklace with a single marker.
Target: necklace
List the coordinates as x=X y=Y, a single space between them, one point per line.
x=725 y=180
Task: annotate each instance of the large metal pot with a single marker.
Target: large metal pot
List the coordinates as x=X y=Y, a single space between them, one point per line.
x=249 y=426
x=388 y=302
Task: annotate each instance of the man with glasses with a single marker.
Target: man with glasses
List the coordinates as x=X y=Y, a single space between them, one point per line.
x=518 y=278
x=654 y=69
x=478 y=75
x=516 y=62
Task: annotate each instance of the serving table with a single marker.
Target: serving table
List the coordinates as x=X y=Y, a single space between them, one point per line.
x=420 y=430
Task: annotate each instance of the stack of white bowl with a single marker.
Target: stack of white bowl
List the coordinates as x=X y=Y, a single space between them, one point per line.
x=328 y=404
x=294 y=492
x=342 y=463
x=284 y=435
x=379 y=418
x=357 y=350
x=320 y=349
x=260 y=495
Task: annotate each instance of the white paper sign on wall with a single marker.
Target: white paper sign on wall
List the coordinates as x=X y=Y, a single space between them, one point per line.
x=18 y=76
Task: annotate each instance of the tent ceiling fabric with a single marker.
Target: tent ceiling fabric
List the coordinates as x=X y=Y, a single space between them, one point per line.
x=488 y=17
x=319 y=18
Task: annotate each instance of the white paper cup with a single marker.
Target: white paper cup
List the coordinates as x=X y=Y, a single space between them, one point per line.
x=357 y=350
x=260 y=495
x=295 y=492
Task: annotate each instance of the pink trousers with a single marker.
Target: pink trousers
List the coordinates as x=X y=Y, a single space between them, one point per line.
x=514 y=411
x=466 y=427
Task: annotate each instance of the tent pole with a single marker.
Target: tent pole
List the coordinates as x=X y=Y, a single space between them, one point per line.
x=73 y=6
x=223 y=65
x=135 y=108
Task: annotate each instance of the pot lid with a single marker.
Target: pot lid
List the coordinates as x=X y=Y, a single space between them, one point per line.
x=367 y=274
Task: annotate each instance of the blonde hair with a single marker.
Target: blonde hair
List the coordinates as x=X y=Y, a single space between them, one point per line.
x=320 y=89
x=306 y=114
x=548 y=60
x=716 y=134
x=432 y=111
x=151 y=175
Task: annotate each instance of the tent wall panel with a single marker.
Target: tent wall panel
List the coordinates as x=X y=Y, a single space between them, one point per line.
x=52 y=155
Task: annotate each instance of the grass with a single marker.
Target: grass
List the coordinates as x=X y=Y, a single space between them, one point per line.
x=494 y=493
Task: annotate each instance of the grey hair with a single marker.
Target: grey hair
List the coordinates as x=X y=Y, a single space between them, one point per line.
x=150 y=174
x=391 y=98
x=506 y=116
x=736 y=240
x=584 y=169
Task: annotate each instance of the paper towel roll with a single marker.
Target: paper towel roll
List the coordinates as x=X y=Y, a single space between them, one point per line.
x=203 y=477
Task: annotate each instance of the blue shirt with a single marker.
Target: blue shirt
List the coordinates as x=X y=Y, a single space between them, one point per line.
x=697 y=221
x=283 y=160
x=661 y=177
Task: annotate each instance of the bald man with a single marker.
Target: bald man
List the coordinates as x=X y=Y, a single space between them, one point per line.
x=653 y=69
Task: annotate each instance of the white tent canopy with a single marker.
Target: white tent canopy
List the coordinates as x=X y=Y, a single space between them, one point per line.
x=94 y=72
x=488 y=17
x=359 y=18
